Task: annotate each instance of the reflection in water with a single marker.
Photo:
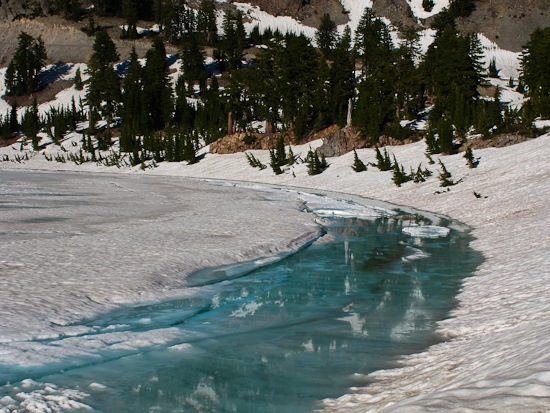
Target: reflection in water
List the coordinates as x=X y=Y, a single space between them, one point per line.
x=288 y=335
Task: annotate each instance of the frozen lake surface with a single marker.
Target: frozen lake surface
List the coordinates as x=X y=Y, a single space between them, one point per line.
x=279 y=338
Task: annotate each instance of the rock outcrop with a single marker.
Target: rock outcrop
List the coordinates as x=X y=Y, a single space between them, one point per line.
x=12 y=9
x=336 y=141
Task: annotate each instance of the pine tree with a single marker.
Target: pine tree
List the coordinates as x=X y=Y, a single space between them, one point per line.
x=342 y=78
x=157 y=87
x=383 y=162
x=14 y=122
x=274 y=163
x=376 y=99
x=206 y=21
x=133 y=110
x=192 y=64
x=280 y=153
x=130 y=13
x=492 y=69
x=78 y=84
x=326 y=36
x=314 y=165
x=103 y=92
x=428 y=5
x=22 y=72
x=470 y=159
x=446 y=136
x=399 y=176
x=445 y=177
x=432 y=145
x=358 y=165
x=536 y=71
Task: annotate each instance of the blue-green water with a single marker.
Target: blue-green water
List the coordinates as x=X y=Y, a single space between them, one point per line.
x=283 y=337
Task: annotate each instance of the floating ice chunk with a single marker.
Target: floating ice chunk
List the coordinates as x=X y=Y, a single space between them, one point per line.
x=247 y=309
x=181 y=347
x=97 y=387
x=426 y=231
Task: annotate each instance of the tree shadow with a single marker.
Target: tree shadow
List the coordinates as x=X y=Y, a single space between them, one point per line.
x=53 y=73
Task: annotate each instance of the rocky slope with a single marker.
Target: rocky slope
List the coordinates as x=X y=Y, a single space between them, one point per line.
x=506 y=22
x=12 y=9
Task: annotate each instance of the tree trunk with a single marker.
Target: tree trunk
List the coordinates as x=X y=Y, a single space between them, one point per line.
x=350 y=110
x=268 y=127
x=230 y=124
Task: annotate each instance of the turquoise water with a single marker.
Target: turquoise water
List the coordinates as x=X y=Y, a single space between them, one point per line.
x=282 y=337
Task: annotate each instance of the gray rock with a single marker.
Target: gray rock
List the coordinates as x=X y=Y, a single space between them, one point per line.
x=13 y=9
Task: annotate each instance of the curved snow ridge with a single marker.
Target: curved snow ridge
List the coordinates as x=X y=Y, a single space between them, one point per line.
x=426 y=231
x=264 y=21
x=326 y=207
x=507 y=62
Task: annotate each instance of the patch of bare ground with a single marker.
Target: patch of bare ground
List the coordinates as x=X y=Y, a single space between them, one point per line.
x=499 y=141
x=65 y=41
x=42 y=96
x=8 y=141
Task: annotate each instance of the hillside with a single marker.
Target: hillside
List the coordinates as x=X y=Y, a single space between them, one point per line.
x=506 y=22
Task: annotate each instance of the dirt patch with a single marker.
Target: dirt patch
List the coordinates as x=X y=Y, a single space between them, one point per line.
x=65 y=41
x=45 y=95
x=8 y=141
x=499 y=141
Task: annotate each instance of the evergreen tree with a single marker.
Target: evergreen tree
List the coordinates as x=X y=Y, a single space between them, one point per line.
x=130 y=13
x=446 y=136
x=206 y=21
x=298 y=62
x=432 y=145
x=492 y=69
x=133 y=110
x=428 y=5
x=78 y=83
x=326 y=36
x=22 y=72
x=358 y=164
x=470 y=159
x=315 y=165
x=233 y=43
x=383 y=162
x=192 y=64
x=266 y=85
x=342 y=78
x=274 y=163
x=157 y=87
x=14 y=122
x=536 y=71
x=399 y=176
x=376 y=99
x=445 y=177
x=103 y=92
